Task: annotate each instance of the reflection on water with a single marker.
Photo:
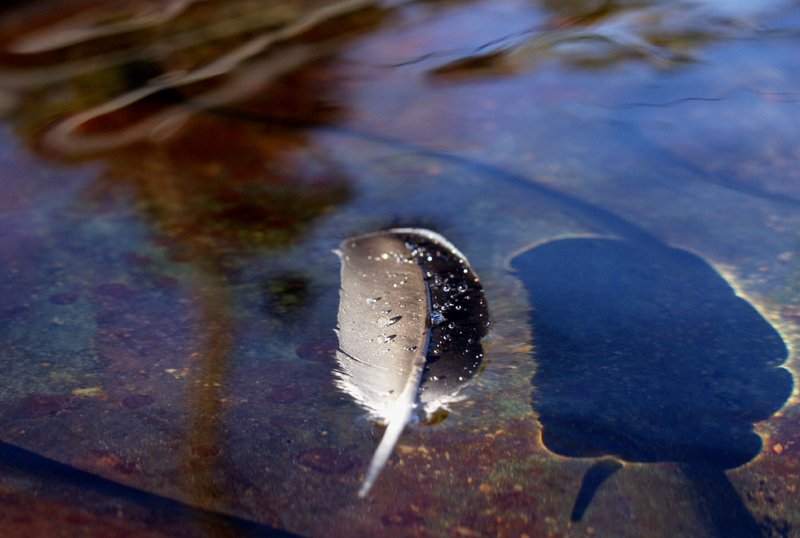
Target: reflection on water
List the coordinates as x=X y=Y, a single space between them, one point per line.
x=175 y=174
x=190 y=64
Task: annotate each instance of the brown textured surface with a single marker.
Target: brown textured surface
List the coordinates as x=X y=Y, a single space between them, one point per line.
x=167 y=304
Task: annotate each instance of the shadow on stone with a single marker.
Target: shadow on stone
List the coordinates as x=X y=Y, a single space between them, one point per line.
x=646 y=354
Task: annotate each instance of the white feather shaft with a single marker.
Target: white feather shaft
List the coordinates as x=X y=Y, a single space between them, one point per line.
x=397 y=420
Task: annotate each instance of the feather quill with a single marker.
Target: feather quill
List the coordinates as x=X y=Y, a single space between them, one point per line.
x=411 y=316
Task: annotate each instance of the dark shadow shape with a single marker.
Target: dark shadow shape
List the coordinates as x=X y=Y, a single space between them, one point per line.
x=193 y=522
x=645 y=354
x=726 y=513
x=592 y=480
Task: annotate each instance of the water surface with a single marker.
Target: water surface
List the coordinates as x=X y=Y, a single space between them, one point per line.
x=175 y=175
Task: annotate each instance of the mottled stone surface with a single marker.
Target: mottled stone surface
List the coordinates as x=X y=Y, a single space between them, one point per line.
x=175 y=175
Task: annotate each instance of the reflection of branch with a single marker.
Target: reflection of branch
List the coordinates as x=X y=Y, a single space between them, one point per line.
x=588 y=36
x=89 y=25
x=666 y=104
x=28 y=78
x=781 y=97
x=499 y=43
x=726 y=182
x=63 y=136
x=205 y=396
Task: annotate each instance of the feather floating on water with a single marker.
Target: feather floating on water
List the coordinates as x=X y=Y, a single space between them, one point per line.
x=412 y=314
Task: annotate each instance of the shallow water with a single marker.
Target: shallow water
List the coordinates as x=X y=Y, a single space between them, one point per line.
x=175 y=175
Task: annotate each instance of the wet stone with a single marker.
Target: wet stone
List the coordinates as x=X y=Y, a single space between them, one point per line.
x=12 y=312
x=106 y=318
x=287 y=394
x=132 y=259
x=404 y=518
x=114 y=290
x=286 y=295
x=166 y=282
x=513 y=500
x=318 y=349
x=136 y=401
x=183 y=256
x=206 y=451
x=105 y=461
x=79 y=519
x=325 y=460
x=39 y=406
x=63 y=298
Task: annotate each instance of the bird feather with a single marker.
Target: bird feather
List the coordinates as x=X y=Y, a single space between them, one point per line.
x=390 y=329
